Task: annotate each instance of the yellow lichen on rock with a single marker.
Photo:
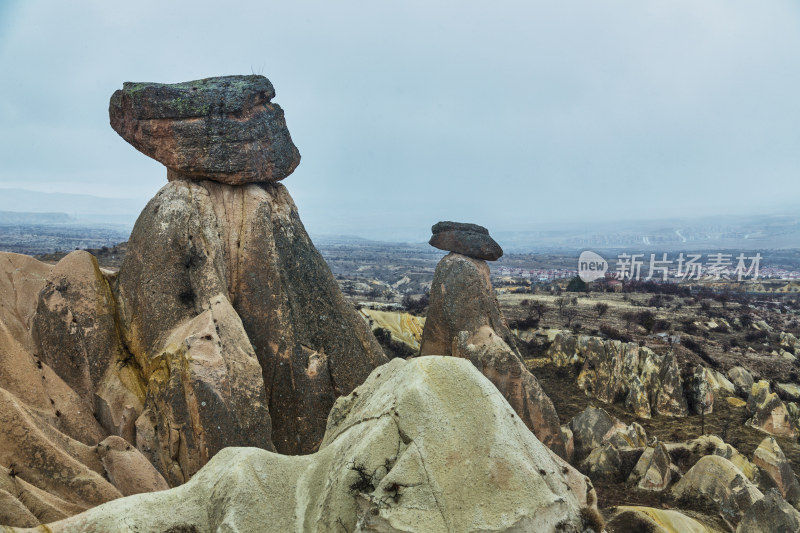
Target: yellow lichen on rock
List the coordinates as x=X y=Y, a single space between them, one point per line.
x=404 y=327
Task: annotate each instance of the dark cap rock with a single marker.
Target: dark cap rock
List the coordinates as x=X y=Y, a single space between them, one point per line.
x=223 y=129
x=467 y=239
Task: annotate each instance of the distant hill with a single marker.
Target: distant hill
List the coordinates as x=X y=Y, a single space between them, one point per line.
x=82 y=207
x=746 y=232
x=13 y=217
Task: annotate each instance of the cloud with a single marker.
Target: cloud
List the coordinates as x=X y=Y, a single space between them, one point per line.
x=410 y=112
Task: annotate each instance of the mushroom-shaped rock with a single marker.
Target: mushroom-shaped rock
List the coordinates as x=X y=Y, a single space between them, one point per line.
x=422 y=445
x=466 y=239
x=225 y=129
x=464 y=320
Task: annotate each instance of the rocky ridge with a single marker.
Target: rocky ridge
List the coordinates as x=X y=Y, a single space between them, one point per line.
x=387 y=463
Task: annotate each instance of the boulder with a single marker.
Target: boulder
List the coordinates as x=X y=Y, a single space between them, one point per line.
x=769 y=413
x=652 y=471
x=715 y=481
x=563 y=351
x=608 y=462
x=771 y=514
x=770 y=459
x=759 y=392
x=634 y=518
x=789 y=341
x=794 y=412
x=594 y=427
x=127 y=469
x=224 y=129
x=742 y=379
x=200 y=242
x=788 y=392
x=719 y=383
x=464 y=320
x=397 y=455
x=466 y=239
x=686 y=454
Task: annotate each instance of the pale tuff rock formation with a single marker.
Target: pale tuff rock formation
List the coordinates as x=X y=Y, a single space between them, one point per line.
x=634 y=518
x=717 y=482
x=397 y=456
x=770 y=459
x=594 y=427
x=223 y=129
x=652 y=471
x=127 y=468
x=76 y=303
x=771 y=514
x=464 y=320
x=742 y=380
x=688 y=453
x=471 y=240
x=649 y=383
x=769 y=412
x=47 y=444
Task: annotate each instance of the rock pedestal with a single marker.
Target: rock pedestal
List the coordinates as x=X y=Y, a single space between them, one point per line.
x=464 y=320
x=231 y=313
x=231 y=270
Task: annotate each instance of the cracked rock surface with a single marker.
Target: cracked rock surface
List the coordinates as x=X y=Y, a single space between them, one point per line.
x=423 y=445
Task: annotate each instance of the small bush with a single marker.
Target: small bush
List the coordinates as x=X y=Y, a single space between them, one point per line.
x=755 y=336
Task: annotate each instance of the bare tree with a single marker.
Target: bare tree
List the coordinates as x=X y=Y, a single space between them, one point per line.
x=561 y=304
x=570 y=313
x=538 y=307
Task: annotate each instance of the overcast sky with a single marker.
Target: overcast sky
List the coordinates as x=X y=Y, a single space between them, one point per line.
x=508 y=114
